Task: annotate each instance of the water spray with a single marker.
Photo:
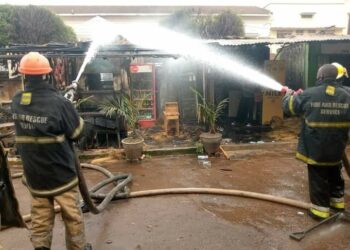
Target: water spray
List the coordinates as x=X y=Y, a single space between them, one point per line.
x=101 y=32
x=176 y=43
x=172 y=42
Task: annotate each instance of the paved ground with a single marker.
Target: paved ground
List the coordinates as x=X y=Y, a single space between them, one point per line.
x=202 y=222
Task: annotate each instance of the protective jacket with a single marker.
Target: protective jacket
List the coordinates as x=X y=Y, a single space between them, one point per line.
x=46 y=123
x=326 y=120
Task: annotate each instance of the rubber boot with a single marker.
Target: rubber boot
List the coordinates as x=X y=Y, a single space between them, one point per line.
x=314 y=216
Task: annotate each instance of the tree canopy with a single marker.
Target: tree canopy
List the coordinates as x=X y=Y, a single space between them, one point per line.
x=32 y=25
x=224 y=25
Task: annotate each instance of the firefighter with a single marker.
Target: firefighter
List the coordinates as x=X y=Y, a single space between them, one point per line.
x=46 y=125
x=323 y=138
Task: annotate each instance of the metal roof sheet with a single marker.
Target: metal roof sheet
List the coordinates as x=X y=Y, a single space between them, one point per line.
x=53 y=50
x=240 y=42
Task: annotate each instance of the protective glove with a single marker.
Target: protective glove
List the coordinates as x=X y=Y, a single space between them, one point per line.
x=285 y=90
x=299 y=91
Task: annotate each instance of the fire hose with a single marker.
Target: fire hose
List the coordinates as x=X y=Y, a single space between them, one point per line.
x=88 y=196
x=121 y=181
x=121 y=191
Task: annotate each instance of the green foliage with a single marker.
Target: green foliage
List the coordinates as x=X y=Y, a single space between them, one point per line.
x=123 y=106
x=224 y=25
x=83 y=100
x=6 y=27
x=207 y=112
x=32 y=25
x=181 y=21
x=199 y=148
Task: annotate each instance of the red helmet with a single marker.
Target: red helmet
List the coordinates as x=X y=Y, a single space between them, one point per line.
x=34 y=63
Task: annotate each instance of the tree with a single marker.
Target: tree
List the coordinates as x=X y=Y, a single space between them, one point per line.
x=224 y=25
x=33 y=25
x=6 y=28
x=181 y=21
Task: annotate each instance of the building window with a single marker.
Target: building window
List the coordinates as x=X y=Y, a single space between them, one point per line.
x=307 y=14
x=284 y=34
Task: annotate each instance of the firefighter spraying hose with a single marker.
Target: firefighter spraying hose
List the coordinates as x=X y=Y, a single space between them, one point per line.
x=345 y=161
x=342 y=73
x=323 y=137
x=47 y=125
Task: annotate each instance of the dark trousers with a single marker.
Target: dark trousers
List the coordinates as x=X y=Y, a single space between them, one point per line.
x=325 y=182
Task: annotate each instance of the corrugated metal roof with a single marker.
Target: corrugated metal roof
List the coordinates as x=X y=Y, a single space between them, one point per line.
x=240 y=42
x=112 y=9
x=53 y=50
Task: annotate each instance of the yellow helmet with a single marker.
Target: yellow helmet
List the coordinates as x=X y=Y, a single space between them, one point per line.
x=341 y=70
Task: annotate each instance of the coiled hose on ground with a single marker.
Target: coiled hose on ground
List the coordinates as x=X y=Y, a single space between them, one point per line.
x=121 y=181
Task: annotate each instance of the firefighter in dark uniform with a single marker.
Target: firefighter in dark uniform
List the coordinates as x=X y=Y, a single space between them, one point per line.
x=323 y=137
x=46 y=124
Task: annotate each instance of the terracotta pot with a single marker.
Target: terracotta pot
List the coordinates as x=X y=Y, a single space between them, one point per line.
x=211 y=142
x=133 y=148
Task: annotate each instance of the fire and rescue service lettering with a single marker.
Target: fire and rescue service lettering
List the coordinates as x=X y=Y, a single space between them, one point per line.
x=30 y=118
x=330 y=108
x=26 y=125
x=28 y=121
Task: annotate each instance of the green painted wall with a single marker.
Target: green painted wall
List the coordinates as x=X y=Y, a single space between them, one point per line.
x=312 y=54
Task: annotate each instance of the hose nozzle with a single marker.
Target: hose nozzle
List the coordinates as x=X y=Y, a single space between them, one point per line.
x=286 y=90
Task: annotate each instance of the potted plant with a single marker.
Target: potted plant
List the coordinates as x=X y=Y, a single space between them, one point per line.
x=208 y=114
x=122 y=105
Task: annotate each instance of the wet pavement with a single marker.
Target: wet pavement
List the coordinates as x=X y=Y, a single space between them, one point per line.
x=200 y=221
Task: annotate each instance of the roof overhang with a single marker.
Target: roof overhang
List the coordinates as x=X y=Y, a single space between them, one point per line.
x=59 y=50
x=267 y=41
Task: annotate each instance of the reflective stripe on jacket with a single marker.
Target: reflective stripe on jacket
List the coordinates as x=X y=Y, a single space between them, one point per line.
x=326 y=121
x=46 y=123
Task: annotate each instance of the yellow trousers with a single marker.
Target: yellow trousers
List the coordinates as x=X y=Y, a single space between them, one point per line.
x=43 y=217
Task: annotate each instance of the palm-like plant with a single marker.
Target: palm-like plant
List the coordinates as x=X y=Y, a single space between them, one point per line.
x=81 y=101
x=123 y=106
x=207 y=112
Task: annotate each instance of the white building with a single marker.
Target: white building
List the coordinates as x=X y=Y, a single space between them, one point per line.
x=308 y=17
x=273 y=18
x=256 y=20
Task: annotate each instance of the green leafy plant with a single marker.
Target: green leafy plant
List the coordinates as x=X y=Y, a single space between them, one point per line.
x=79 y=102
x=199 y=148
x=207 y=112
x=123 y=106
